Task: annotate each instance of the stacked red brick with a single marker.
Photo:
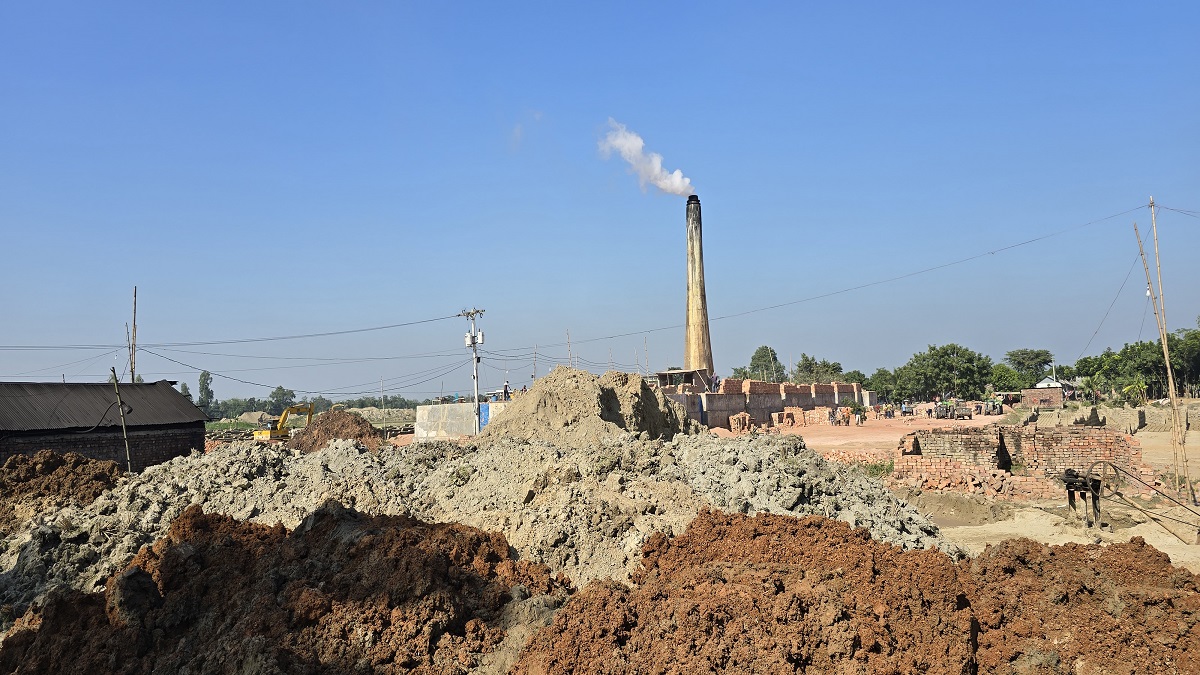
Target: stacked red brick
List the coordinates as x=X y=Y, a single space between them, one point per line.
x=970 y=460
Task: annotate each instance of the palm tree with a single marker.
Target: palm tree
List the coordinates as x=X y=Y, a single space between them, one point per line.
x=1136 y=391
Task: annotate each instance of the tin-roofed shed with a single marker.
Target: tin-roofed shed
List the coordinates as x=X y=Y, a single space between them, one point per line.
x=83 y=417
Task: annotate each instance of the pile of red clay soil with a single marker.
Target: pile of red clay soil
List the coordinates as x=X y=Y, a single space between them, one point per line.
x=780 y=594
x=332 y=425
x=342 y=593
x=1121 y=608
x=47 y=481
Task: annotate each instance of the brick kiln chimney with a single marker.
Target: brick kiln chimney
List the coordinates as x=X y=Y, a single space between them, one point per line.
x=697 y=349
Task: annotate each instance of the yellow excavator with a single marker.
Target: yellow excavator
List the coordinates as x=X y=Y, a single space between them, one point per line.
x=280 y=431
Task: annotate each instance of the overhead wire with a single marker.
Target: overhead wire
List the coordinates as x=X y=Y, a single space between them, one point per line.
x=200 y=343
x=880 y=282
x=1110 y=306
x=441 y=373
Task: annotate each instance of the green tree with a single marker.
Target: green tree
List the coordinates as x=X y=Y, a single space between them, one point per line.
x=883 y=383
x=1030 y=364
x=183 y=389
x=206 y=400
x=279 y=399
x=764 y=365
x=948 y=371
x=1004 y=378
x=809 y=370
x=138 y=380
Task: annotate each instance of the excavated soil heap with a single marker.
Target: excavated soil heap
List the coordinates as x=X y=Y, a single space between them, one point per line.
x=765 y=594
x=342 y=593
x=46 y=481
x=335 y=424
x=779 y=594
x=573 y=407
x=1120 y=608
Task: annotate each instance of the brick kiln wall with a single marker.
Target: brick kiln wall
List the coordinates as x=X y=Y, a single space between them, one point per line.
x=147 y=447
x=978 y=460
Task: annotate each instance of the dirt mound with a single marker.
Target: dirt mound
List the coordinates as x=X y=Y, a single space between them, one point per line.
x=780 y=594
x=766 y=594
x=1084 y=609
x=46 y=481
x=335 y=424
x=571 y=406
x=342 y=593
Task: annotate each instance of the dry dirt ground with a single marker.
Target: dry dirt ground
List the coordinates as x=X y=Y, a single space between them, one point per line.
x=976 y=524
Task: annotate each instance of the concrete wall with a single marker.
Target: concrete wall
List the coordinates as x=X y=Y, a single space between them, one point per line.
x=760 y=406
x=147 y=445
x=717 y=408
x=869 y=398
x=691 y=403
x=451 y=420
x=823 y=395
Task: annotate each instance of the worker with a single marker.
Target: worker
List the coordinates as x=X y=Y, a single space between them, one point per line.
x=506 y=392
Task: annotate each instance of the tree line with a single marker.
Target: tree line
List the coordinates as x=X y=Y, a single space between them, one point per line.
x=1135 y=373
x=279 y=399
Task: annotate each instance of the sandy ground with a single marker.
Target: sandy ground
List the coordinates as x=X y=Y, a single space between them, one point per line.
x=977 y=523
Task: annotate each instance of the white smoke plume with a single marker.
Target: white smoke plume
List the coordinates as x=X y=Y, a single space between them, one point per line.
x=647 y=165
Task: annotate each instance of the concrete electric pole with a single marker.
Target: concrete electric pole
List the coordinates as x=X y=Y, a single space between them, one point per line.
x=473 y=339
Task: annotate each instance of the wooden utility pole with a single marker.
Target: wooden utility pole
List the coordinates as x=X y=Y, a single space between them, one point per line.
x=570 y=358
x=121 y=409
x=133 y=342
x=1178 y=451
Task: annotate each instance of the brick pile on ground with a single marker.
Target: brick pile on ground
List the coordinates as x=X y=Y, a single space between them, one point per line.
x=574 y=407
x=335 y=425
x=342 y=593
x=46 y=481
x=779 y=594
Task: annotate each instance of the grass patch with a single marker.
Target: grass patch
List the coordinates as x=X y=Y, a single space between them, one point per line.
x=880 y=469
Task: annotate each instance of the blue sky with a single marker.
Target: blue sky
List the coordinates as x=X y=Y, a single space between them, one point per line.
x=273 y=169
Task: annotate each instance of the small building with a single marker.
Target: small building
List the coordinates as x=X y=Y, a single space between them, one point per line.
x=1047 y=393
x=82 y=417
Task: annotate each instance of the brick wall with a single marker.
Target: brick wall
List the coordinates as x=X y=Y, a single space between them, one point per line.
x=730 y=385
x=980 y=460
x=760 y=387
x=147 y=446
x=1051 y=397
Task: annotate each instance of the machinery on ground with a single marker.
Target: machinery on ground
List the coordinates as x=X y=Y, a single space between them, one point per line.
x=280 y=431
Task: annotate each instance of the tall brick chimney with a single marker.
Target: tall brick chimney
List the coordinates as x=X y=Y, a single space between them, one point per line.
x=697 y=349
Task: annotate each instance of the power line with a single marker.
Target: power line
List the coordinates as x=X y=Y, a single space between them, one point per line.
x=443 y=371
x=859 y=287
x=1110 y=306
x=201 y=343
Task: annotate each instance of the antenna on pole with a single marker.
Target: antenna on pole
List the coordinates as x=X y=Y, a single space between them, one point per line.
x=473 y=340
x=133 y=342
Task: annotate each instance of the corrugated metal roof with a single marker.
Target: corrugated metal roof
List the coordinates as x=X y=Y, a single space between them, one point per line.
x=38 y=406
